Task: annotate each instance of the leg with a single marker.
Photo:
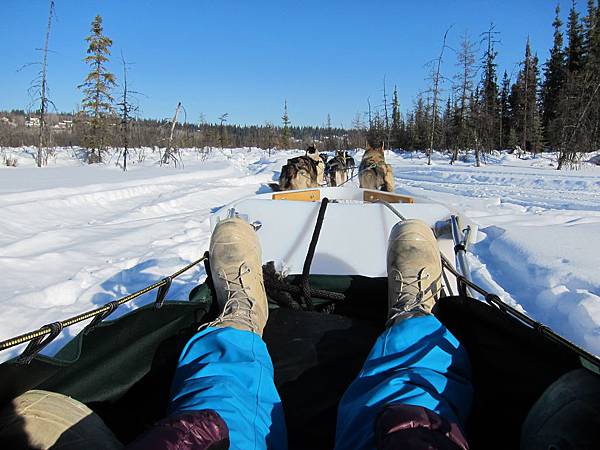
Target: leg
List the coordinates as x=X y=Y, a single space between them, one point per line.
x=415 y=362
x=414 y=390
x=223 y=389
x=229 y=371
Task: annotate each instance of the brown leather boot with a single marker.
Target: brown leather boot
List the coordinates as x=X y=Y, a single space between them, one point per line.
x=236 y=269
x=414 y=270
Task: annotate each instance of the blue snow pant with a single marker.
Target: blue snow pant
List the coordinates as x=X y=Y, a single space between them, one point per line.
x=415 y=362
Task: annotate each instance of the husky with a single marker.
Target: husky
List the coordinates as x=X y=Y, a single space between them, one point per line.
x=374 y=173
x=313 y=154
x=338 y=167
x=302 y=172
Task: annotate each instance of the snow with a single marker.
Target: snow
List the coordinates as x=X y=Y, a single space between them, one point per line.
x=76 y=236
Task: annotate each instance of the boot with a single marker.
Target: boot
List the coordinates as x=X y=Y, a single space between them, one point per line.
x=414 y=270
x=236 y=269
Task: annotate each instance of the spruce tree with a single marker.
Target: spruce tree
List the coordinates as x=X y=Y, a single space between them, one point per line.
x=329 y=139
x=285 y=134
x=447 y=125
x=524 y=104
x=537 y=129
x=589 y=28
x=578 y=110
x=505 y=113
x=575 y=49
x=592 y=71
x=489 y=108
x=554 y=80
x=395 y=134
x=421 y=125
x=475 y=124
x=97 y=103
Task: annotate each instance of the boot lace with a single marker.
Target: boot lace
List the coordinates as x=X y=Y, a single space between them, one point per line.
x=239 y=304
x=414 y=301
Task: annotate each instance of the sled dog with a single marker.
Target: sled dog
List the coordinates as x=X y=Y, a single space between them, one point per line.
x=302 y=172
x=338 y=168
x=313 y=154
x=374 y=173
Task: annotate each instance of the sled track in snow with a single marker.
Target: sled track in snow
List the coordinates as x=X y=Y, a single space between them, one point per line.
x=66 y=250
x=549 y=191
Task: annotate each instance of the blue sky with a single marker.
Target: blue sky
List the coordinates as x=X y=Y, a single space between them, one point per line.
x=246 y=57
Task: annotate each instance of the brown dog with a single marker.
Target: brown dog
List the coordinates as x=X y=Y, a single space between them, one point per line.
x=374 y=173
x=302 y=172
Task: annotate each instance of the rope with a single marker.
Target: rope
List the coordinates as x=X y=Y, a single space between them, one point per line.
x=48 y=329
x=371 y=166
x=391 y=208
x=275 y=285
x=306 y=294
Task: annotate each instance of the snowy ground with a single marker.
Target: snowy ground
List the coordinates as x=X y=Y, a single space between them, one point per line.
x=74 y=237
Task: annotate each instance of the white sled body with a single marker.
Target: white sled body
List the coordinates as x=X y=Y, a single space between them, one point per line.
x=353 y=239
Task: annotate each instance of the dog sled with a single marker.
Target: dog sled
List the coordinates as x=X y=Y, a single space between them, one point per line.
x=325 y=274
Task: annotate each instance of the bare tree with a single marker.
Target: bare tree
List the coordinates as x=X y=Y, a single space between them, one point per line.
x=463 y=93
x=436 y=79
x=385 y=111
x=42 y=155
x=168 y=155
x=39 y=93
x=126 y=108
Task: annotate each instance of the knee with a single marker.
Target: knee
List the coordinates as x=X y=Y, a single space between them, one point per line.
x=42 y=420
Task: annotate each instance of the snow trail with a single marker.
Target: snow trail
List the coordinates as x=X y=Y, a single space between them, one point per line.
x=75 y=236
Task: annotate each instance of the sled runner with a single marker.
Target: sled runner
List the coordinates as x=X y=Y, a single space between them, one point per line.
x=325 y=274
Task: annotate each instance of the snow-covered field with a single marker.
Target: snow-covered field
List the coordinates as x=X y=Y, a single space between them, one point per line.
x=74 y=237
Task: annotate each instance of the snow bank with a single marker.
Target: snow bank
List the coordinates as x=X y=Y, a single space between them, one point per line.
x=539 y=233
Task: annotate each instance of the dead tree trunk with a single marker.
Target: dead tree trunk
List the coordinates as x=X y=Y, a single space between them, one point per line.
x=125 y=115
x=168 y=155
x=41 y=153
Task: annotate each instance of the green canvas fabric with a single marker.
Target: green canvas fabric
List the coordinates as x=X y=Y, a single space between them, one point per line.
x=123 y=368
x=104 y=363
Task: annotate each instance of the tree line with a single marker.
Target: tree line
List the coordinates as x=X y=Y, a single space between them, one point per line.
x=554 y=106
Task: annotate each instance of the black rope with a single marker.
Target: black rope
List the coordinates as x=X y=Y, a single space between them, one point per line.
x=275 y=284
x=37 y=344
x=100 y=317
x=304 y=283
